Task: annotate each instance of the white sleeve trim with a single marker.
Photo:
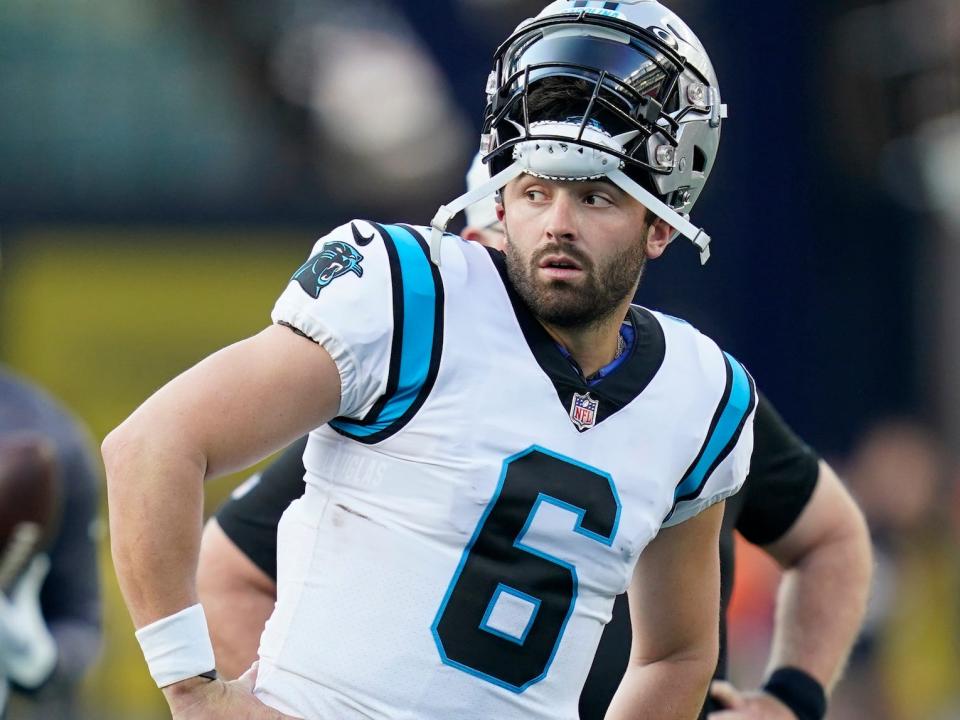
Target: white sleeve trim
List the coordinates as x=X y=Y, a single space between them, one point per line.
x=324 y=336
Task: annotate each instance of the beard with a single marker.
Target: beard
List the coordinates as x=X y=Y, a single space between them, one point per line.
x=587 y=301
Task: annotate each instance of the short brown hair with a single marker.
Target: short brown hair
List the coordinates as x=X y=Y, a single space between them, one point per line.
x=559 y=98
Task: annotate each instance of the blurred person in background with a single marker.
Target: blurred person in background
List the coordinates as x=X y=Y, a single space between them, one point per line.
x=50 y=622
x=792 y=504
x=907 y=662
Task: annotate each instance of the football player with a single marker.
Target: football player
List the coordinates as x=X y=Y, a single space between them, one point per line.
x=50 y=629
x=792 y=505
x=470 y=516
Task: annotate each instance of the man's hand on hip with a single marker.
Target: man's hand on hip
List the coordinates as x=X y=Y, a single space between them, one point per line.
x=741 y=705
x=202 y=699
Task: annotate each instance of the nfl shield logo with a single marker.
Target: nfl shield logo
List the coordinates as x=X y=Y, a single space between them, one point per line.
x=583 y=411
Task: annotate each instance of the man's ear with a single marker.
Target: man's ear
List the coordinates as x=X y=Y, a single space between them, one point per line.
x=472 y=234
x=659 y=235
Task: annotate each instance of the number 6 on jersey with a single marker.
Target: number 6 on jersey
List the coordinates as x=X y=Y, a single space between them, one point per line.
x=508 y=603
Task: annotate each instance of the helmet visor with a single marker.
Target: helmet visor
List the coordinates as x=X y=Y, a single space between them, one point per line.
x=637 y=65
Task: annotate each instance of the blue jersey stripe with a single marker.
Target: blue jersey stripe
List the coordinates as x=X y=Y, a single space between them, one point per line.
x=417 y=329
x=738 y=405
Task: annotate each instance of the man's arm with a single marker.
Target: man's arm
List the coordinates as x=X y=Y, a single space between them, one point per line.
x=236 y=578
x=238 y=598
x=827 y=560
x=674 y=604
x=227 y=412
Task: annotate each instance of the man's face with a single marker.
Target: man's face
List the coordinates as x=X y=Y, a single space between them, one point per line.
x=575 y=250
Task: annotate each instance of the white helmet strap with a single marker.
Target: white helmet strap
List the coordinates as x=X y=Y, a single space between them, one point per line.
x=678 y=222
x=567 y=160
x=446 y=213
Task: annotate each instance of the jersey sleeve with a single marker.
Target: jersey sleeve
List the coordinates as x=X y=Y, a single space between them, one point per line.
x=783 y=475
x=720 y=467
x=249 y=517
x=370 y=295
x=342 y=299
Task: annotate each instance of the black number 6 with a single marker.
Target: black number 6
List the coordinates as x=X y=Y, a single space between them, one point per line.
x=508 y=604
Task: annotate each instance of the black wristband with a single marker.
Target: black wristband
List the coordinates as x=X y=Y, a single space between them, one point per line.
x=799 y=691
x=209 y=674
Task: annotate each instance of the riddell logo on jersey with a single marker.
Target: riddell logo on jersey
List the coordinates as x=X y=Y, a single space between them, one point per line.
x=583 y=411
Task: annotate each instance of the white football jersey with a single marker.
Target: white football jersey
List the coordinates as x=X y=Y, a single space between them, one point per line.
x=475 y=508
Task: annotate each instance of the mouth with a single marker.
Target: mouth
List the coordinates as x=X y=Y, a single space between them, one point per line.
x=559 y=267
x=331 y=271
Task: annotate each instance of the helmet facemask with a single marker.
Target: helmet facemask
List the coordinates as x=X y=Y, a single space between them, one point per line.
x=624 y=84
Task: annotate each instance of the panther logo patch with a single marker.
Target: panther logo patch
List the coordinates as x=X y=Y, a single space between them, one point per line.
x=336 y=258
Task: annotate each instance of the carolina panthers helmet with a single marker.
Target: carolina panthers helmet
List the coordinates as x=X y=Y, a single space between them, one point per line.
x=650 y=121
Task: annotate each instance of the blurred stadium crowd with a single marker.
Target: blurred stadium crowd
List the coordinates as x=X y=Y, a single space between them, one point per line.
x=157 y=156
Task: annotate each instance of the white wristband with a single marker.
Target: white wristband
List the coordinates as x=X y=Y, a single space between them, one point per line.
x=177 y=647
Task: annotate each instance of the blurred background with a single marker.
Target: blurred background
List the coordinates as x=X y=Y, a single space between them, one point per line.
x=165 y=165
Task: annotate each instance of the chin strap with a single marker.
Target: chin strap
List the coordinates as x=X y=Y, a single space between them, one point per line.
x=447 y=212
x=553 y=151
x=678 y=222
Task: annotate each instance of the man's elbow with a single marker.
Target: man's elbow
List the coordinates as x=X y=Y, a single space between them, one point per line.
x=698 y=664
x=859 y=549
x=832 y=532
x=111 y=448
x=850 y=541
x=143 y=460
x=696 y=659
x=120 y=450
x=115 y=450
x=139 y=444
x=842 y=552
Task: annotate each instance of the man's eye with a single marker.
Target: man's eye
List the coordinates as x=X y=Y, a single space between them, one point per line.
x=598 y=201
x=534 y=195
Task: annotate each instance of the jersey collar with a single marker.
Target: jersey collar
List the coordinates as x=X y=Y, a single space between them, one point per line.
x=618 y=383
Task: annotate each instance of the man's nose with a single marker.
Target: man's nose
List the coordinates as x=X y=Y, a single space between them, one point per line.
x=561 y=222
